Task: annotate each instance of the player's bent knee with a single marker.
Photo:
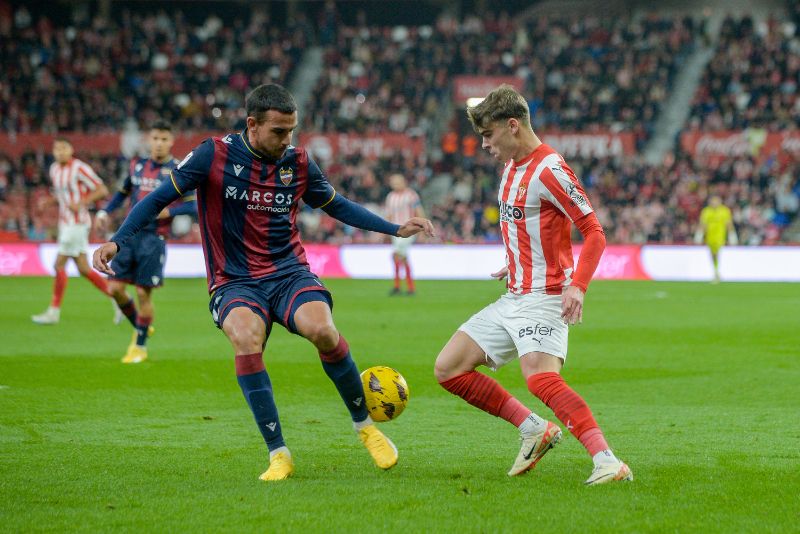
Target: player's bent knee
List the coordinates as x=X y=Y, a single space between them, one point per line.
x=324 y=336
x=442 y=373
x=245 y=331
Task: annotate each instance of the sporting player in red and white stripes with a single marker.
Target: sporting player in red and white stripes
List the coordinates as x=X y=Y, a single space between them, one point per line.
x=402 y=203
x=540 y=198
x=75 y=186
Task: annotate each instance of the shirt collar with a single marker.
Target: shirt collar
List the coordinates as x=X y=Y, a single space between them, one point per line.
x=250 y=147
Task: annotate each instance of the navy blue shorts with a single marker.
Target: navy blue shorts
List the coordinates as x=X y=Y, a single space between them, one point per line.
x=141 y=261
x=272 y=299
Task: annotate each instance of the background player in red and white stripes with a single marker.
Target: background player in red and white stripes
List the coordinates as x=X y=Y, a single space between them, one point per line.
x=540 y=198
x=75 y=187
x=402 y=203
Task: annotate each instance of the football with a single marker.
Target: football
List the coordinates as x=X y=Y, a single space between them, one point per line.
x=385 y=391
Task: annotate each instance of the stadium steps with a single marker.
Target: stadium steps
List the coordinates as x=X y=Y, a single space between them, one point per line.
x=678 y=105
x=305 y=78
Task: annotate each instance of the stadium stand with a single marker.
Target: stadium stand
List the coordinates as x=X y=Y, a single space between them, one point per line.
x=589 y=74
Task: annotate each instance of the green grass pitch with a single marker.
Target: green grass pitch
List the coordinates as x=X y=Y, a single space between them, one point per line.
x=696 y=386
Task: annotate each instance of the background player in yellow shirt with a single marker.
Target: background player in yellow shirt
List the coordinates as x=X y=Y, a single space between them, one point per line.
x=716 y=224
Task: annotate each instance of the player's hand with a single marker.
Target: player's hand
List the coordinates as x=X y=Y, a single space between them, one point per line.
x=164 y=214
x=502 y=274
x=572 y=305
x=75 y=207
x=101 y=221
x=415 y=225
x=102 y=257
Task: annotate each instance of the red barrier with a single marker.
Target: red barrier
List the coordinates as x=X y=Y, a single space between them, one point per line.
x=717 y=146
x=466 y=87
x=326 y=147
x=587 y=145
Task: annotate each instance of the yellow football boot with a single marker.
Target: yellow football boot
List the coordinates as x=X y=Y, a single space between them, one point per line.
x=381 y=448
x=281 y=467
x=135 y=354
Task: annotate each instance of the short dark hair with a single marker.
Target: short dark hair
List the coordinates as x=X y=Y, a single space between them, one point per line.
x=161 y=124
x=62 y=139
x=504 y=102
x=266 y=97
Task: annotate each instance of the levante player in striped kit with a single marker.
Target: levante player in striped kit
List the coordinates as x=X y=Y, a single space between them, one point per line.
x=75 y=187
x=249 y=186
x=540 y=198
x=142 y=263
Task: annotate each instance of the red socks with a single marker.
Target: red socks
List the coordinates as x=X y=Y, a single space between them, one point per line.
x=570 y=408
x=59 y=286
x=409 y=280
x=98 y=281
x=487 y=394
x=403 y=263
x=248 y=364
x=397 y=274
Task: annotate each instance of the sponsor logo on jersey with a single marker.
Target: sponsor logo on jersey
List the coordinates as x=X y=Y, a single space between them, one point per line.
x=286 y=175
x=510 y=214
x=261 y=200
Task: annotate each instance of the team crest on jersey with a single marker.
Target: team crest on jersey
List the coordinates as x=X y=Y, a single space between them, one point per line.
x=523 y=190
x=286 y=175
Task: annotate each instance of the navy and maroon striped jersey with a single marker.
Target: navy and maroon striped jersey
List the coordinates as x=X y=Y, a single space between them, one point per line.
x=247 y=205
x=145 y=176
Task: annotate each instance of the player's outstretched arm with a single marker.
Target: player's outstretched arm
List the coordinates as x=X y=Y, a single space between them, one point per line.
x=358 y=216
x=415 y=225
x=145 y=211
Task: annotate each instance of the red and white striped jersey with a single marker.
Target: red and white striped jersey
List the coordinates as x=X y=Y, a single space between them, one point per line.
x=539 y=198
x=71 y=182
x=401 y=205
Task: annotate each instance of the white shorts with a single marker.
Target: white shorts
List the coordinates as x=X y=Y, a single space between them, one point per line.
x=515 y=325
x=400 y=245
x=73 y=239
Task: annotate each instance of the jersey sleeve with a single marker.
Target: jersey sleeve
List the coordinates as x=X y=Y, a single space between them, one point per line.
x=87 y=177
x=194 y=168
x=560 y=186
x=319 y=191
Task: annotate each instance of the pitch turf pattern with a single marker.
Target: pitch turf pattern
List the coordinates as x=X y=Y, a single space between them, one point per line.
x=696 y=386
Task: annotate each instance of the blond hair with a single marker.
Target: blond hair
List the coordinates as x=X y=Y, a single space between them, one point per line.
x=504 y=102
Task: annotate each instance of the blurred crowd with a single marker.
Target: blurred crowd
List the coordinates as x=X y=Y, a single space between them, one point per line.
x=96 y=74
x=752 y=80
x=636 y=202
x=580 y=74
